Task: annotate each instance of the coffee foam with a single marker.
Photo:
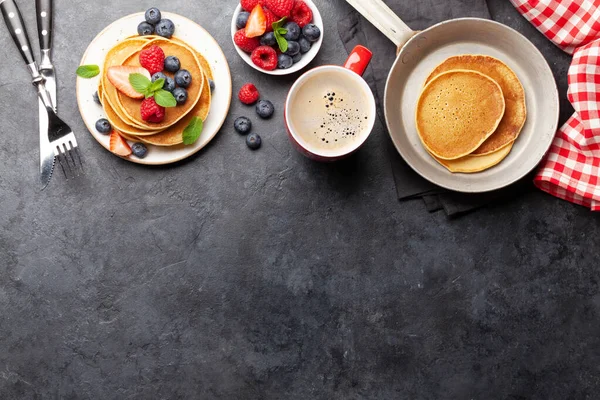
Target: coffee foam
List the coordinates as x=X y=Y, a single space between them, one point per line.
x=330 y=113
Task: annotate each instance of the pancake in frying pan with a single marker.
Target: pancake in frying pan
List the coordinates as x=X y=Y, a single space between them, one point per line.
x=471 y=164
x=514 y=96
x=458 y=111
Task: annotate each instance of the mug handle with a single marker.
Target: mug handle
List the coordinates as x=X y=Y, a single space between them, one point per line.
x=359 y=59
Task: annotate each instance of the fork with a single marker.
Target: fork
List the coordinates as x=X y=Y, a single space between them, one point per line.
x=61 y=136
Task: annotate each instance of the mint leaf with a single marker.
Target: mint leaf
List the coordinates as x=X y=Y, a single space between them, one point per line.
x=164 y=98
x=140 y=83
x=156 y=85
x=88 y=71
x=279 y=32
x=281 y=42
x=278 y=24
x=192 y=132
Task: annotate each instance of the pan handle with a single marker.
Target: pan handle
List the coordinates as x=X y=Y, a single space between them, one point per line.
x=384 y=19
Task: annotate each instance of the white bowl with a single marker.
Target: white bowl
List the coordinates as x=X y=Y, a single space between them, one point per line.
x=306 y=58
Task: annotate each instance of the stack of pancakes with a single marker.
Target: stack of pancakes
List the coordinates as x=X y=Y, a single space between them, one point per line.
x=470 y=112
x=124 y=112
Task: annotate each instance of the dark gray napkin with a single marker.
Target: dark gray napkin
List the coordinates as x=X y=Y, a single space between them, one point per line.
x=418 y=15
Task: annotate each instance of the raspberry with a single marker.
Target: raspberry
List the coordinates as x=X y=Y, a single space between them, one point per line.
x=249 y=5
x=301 y=14
x=271 y=18
x=265 y=57
x=153 y=59
x=248 y=94
x=244 y=42
x=152 y=112
x=281 y=8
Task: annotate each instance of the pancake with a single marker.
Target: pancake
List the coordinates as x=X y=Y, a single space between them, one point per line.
x=116 y=121
x=514 y=96
x=131 y=107
x=471 y=164
x=457 y=111
x=116 y=56
x=129 y=137
x=174 y=135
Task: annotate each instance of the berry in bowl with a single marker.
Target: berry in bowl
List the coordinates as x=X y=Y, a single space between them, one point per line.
x=277 y=37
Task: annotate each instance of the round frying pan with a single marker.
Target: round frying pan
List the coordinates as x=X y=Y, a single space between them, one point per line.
x=420 y=52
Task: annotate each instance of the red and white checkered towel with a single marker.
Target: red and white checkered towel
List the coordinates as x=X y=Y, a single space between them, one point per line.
x=571 y=170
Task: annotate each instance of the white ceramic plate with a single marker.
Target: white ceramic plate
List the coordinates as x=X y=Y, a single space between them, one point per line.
x=194 y=35
x=306 y=58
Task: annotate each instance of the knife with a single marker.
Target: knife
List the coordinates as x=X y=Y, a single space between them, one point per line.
x=44 y=14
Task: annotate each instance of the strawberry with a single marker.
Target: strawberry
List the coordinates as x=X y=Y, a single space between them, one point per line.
x=152 y=112
x=153 y=59
x=271 y=18
x=257 y=22
x=301 y=14
x=281 y=8
x=265 y=57
x=118 y=145
x=119 y=77
x=244 y=42
x=248 y=94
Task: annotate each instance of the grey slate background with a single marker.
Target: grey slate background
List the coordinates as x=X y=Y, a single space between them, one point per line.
x=240 y=275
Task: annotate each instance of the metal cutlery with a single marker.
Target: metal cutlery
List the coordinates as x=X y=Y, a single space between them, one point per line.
x=61 y=137
x=44 y=13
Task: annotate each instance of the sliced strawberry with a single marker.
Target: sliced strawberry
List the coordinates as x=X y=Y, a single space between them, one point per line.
x=257 y=22
x=119 y=77
x=118 y=145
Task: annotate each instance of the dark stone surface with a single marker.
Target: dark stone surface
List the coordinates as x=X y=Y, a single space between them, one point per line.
x=241 y=275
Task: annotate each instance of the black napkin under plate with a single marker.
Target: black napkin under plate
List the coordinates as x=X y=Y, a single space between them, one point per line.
x=419 y=15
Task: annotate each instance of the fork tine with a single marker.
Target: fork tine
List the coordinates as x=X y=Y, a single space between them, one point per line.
x=64 y=149
x=79 y=159
x=73 y=162
x=59 y=156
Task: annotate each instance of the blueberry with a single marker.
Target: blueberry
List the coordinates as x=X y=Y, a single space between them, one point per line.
x=242 y=125
x=158 y=75
x=165 y=28
x=284 y=61
x=180 y=95
x=103 y=126
x=97 y=98
x=253 y=141
x=211 y=83
x=268 y=39
x=139 y=150
x=183 y=78
x=305 y=45
x=293 y=31
x=153 y=16
x=265 y=109
x=297 y=58
x=293 y=48
x=172 y=64
x=311 y=32
x=242 y=19
x=169 y=85
x=145 y=29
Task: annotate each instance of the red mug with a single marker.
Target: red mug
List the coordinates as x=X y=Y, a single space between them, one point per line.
x=325 y=125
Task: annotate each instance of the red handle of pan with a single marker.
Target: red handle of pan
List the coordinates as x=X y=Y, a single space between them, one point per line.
x=359 y=59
